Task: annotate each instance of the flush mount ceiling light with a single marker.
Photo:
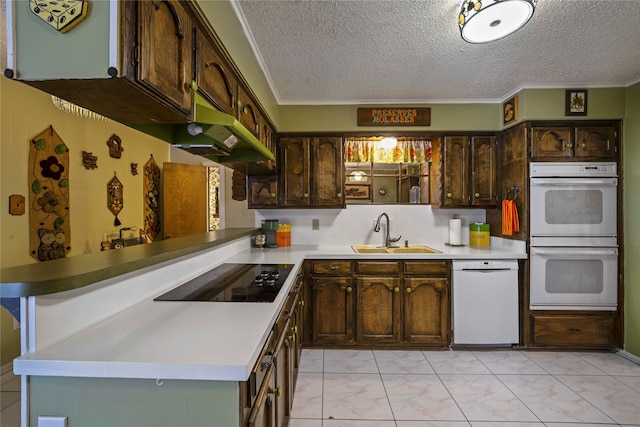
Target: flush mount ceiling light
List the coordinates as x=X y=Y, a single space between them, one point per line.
x=489 y=20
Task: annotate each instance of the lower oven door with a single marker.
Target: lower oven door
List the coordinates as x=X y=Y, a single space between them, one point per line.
x=565 y=278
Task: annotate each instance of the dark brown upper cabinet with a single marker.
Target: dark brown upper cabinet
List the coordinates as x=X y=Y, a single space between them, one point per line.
x=311 y=172
x=215 y=78
x=247 y=113
x=163 y=51
x=568 y=143
x=469 y=171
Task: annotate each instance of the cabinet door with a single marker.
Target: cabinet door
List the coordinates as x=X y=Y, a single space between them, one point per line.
x=214 y=76
x=248 y=114
x=483 y=167
x=426 y=311
x=378 y=310
x=263 y=191
x=263 y=413
x=551 y=143
x=294 y=171
x=327 y=174
x=281 y=360
x=165 y=51
x=332 y=310
x=599 y=142
x=455 y=172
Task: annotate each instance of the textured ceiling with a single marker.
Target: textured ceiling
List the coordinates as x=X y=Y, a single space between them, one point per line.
x=369 y=51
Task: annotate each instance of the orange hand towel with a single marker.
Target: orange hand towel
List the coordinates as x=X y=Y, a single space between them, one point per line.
x=510 y=222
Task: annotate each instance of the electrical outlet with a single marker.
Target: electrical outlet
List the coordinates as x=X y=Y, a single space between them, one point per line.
x=45 y=421
x=315 y=224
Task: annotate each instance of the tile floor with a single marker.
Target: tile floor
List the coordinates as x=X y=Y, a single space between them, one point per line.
x=9 y=400
x=503 y=388
x=393 y=388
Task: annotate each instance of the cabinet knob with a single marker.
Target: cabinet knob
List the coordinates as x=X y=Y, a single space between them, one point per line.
x=301 y=303
x=305 y=195
x=239 y=103
x=339 y=195
x=349 y=289
x=277 y=391
x=396 y=289
x=583 y=145
x=569 y=145
x=477 y=194
x=408 y=290
x=273 y=194
x=193 y=85
x=449 y=195
x=292 y=338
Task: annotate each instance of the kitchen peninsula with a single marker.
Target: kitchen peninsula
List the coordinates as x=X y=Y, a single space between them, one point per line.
x=170 y=361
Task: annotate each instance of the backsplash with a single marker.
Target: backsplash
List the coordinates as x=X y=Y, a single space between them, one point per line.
x=354 y=225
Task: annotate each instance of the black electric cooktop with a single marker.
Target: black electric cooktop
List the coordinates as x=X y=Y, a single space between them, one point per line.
x=233 y=283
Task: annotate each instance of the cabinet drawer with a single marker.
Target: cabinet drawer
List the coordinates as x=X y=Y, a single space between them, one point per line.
x=377 y=267
x=331 y=268
x=572 y=330
x=436 y=268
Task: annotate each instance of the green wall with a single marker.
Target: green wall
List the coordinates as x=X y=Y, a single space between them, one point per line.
x=108 y=402
x=631 y=153
x=549 y=104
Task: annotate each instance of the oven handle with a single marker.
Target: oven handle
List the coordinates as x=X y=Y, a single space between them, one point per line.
x=571 y=252
x=573 y=181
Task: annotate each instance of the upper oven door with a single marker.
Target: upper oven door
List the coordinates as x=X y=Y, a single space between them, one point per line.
x=574 y=206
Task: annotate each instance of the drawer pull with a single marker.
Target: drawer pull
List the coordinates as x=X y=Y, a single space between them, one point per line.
x=333 y=267
x=574 y=331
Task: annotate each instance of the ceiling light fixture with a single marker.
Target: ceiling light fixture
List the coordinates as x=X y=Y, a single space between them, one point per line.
x=489 y=20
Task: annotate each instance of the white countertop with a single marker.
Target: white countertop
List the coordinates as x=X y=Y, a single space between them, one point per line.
x=203 y=340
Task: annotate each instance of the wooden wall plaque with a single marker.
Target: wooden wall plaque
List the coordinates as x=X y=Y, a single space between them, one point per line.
x=386 y=116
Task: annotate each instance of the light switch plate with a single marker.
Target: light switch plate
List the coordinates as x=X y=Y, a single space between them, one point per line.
x=46 y=421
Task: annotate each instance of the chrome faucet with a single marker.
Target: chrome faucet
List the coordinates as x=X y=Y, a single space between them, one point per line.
x=387 y=238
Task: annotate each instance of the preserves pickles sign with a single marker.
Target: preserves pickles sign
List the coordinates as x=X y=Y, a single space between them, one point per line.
x=384 y=116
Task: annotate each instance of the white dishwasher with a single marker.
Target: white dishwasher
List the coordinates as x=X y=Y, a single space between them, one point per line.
x=485 y=302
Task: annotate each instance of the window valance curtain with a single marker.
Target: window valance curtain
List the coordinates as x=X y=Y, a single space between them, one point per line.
x=408 y=150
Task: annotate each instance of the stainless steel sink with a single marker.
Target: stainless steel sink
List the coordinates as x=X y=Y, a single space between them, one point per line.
x=413 y=249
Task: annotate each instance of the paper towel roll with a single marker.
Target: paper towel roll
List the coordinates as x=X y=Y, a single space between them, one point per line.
x=455 y=231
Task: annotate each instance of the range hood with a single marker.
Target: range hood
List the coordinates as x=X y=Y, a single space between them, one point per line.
x=214 y=135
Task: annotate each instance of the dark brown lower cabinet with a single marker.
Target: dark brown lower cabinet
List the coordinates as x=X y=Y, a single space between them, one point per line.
x=394 y=303
x=593 y=330
x=263 y=412
x=378 y=310
x=426 y=310
x=332 y=310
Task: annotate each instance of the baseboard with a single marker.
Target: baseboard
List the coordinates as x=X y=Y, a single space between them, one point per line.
x=632 y=357
x=6 y=368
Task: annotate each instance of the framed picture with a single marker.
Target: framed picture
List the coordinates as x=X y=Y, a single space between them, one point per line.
x=510 y=110
x=356 y=191
x=575 y=102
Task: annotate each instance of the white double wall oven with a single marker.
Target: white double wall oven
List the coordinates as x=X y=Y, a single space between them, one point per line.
x=574 y=245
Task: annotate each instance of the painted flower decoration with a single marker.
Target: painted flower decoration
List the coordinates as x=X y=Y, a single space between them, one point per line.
x=52 y=203
x=51 y=168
